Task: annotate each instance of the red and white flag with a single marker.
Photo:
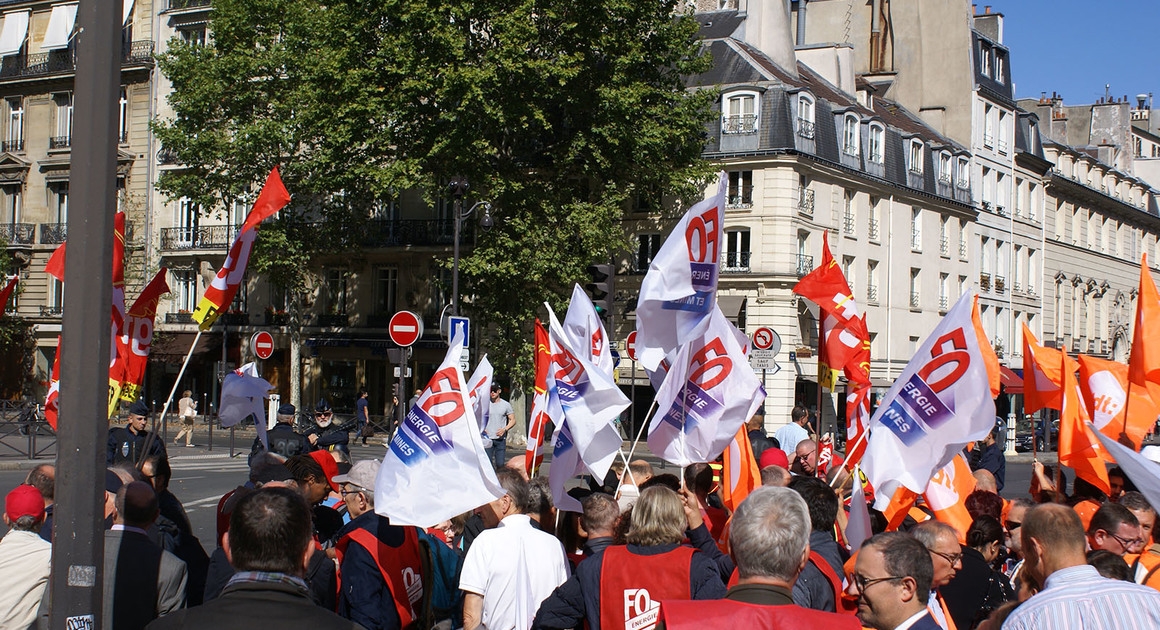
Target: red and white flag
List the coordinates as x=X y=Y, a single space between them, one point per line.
x=538 y=428
x=943 y=400
x=479 y=391
x=436 y=467
x=135 y=341
x=708 y=393
x=52 y=400
x=273 y=198
x=679 y=291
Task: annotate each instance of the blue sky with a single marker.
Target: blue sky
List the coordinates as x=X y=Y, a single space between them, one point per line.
x=1075 y=47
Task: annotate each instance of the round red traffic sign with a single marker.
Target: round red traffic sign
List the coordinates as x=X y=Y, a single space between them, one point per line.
x=630 y=345
x=405 y=328
x=763 y=338
x=263 y=344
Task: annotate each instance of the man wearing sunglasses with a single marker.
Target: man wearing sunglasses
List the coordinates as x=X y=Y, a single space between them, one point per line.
x=326 y=434
x=891 y=581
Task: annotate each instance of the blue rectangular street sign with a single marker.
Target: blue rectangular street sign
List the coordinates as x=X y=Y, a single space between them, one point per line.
x=456 y=324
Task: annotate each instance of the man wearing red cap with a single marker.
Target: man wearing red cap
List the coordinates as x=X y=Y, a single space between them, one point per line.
x=24 y=558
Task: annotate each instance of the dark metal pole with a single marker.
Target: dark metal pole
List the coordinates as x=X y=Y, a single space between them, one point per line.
x=79 y=544
x=458 y=187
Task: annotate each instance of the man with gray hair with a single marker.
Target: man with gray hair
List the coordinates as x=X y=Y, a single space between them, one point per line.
x=891 y=580
x=942 y=541
x=769 y=542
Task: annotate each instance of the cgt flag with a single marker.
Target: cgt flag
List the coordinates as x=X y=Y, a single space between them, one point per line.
x=709 y=392
x=540 y=416
x=943 y=400
x=1079 y=448
x=1105 y=389
x=134 y=343
x=52 y=400
x=678 y=292
x=436 y=467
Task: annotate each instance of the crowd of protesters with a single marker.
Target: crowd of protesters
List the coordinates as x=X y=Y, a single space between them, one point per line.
x=300 y=544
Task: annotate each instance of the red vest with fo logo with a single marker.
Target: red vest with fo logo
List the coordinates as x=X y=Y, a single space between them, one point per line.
x=402 y=568
x=632 y=586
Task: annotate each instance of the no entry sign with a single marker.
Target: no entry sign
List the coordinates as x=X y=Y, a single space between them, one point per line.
x=263 y=344
x=630 y=345
x=405 y=328
x=765 y=338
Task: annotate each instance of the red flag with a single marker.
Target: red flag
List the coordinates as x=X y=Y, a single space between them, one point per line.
x=55 y=265
x=542 y=360
x=1119 y=411
x=224 y=286
x=1078 y=447
x=1041 y=374
x=739 y=473
x=134 y=343
x=857 y=419
x=841 y=326
x=273 y=198
x=52 y=401
x=6 y=293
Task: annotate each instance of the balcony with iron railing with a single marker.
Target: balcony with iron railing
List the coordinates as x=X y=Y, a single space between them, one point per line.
x=806 y=128
x=944 y=246
x=872 y=294
x=51 y=311
x=405 y=232
x=746 y=123
x=12 y=146
x=177 y=5
x=1031 y=290
x=962 y=249
x=963 y=183
x=984 y=281
x=57 y=143
x=914 y=301
x=805 y=264
x=1003 y=146
x=53 y=233
x=848 y=224
x=735 y=262
x=806 y=202
x=64 y=61
x=736 y=200
x=915 y=240
x=943 y=302
x=201 y=237
x=1000 y=210
x=17 y=233
x=873 y=231
x=1000 y=284
x=988 y=140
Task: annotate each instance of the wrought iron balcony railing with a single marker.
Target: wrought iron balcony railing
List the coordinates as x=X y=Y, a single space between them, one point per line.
x=874 y=230
x=17 y=233
x=914 y=301
x=806 y=201
x=202 y=237
x=944 y=245
x=12 y=146
x=746 y=123
x=848 y=224
x=59 y=142
x=806 y=128
x=735 y=262
x=176 y=5
x=62 y=61
x=183 y=317
x=805 y=264
x=872 y=294
x=53 y=233
x=984 y=282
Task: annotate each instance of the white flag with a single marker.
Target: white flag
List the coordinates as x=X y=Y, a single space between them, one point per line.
x=679 y=289
x=566 y=464
x=708 y=393
x=585 y=330
x=243 y=393
x=858 y=525
x=436 y=467
x=479 y=391
x=940 y=403
x=1143 y=472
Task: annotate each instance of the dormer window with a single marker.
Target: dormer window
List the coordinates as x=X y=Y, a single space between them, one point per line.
x=964 y=169
x=740 y=113
x=850 y=134
x=805 y=116
x=914 y=157
x=944 y=167
x=877 y=141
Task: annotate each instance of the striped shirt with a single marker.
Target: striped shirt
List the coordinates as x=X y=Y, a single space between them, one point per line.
x=1079 y=598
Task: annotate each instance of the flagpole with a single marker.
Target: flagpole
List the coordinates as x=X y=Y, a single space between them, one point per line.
x=818 y=424
x=172 y=393
x=643 y=426
x=850 y=449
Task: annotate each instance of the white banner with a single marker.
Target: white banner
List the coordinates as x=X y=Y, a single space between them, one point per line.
x=436 y=467
x=243 y=395
x=479 y=391
x=584 y=331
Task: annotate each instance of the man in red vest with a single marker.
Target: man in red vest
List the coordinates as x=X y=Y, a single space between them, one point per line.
x=769 y=541
x=381 y=566
x=621 y=587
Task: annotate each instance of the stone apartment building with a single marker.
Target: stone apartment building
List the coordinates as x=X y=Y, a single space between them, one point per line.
x=37 y=68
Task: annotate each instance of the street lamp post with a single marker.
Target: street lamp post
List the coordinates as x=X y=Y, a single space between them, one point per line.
x=458 y=187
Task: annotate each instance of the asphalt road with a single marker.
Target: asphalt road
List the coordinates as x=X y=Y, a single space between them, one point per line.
x=202 y=476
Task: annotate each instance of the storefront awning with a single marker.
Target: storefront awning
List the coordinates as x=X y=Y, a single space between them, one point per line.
x=732 y=307
x=1011 y=381
x=60 y=27
x=14 y=32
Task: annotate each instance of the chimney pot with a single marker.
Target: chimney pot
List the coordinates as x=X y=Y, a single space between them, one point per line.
x=987 y=9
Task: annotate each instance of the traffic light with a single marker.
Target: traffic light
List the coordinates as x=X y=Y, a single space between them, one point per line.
x=601 y=289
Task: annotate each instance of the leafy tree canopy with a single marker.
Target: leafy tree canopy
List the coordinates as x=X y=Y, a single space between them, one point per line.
x=557 y=112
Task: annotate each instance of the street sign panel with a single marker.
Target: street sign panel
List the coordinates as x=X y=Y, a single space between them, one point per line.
x=615 y=358
x=766 y=338
x=405 y=328
x=762 y=360
x=263 y=344
x=457 y=323
x=630 y=345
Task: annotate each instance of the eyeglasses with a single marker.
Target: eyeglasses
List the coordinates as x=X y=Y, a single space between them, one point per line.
x=862 y=582
x=1134 y=543
x=952 y=558
x=1013 y=525
x=805 y=456
x=323 y=414
x=356 y=489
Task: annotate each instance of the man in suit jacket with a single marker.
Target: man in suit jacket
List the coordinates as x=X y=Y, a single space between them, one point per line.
x=142 y=580
x=269 y=543
x=891 y=580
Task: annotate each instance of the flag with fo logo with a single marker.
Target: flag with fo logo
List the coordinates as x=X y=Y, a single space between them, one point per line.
x=708 y=393
x=943 y=400
x=436 y=467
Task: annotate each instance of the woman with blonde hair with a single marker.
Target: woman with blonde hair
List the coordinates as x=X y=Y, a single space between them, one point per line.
x=187 y=411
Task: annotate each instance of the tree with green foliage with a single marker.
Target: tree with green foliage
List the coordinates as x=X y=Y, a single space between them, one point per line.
x=559 y=113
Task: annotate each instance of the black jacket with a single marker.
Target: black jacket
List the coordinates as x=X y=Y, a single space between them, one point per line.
x=760 y=441
x=337 y=435
x=813 y=589
x=123 y=445
x=991 y=458
x=975 y=591
x=284 y=441
x=246 y=606
x=578 y=599
x=320 y=577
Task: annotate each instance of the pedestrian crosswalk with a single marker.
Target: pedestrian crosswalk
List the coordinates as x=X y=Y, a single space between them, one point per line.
x=217 y=463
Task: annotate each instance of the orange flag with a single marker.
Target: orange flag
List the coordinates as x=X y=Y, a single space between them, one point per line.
x=1078 y=447
x=1144 y=362
x=900 y=505
x=1041 y=374
x=947 y=491
x=273 y=198
x=739 y=474
x=1105 y=389
x=55 y=265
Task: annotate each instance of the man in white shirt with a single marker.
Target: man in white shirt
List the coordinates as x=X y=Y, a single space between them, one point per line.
x=24 y=558
x=792 y=434
x=511 y=567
